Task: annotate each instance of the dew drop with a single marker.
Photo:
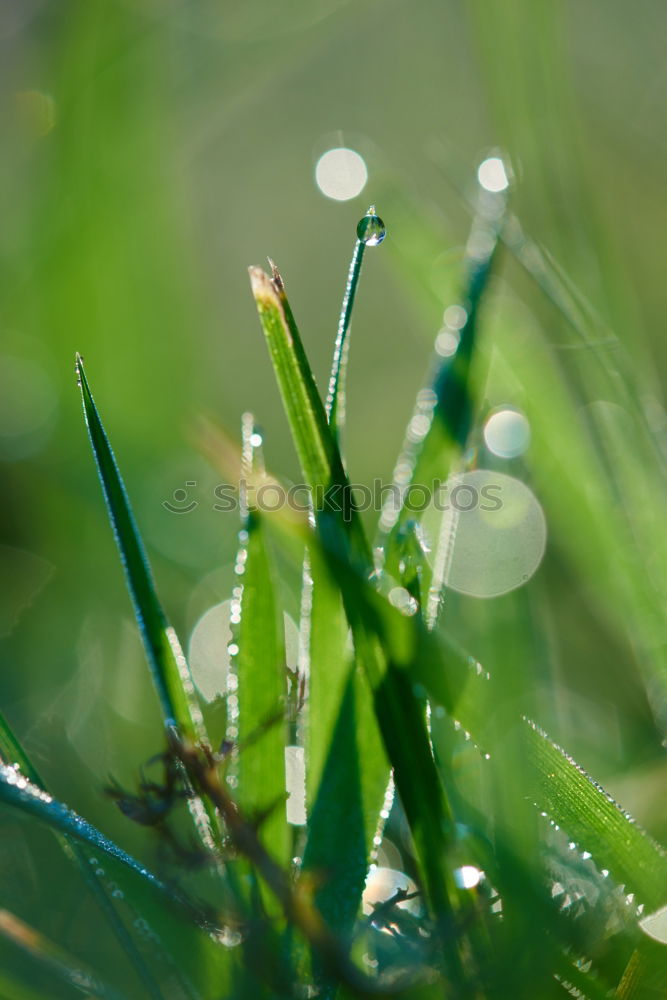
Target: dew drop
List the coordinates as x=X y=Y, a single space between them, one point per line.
x=230 y=938
x=403 y=600
x=371 y=229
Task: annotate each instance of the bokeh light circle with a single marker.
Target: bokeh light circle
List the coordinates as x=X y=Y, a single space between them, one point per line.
x=507 y=433
x=492 y=175
x=487 y=533
x=341 y=173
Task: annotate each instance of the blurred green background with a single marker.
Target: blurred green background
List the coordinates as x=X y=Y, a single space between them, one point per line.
x=151 y=151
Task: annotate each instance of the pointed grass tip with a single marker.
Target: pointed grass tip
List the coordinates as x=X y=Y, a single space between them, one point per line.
x=265 y=289
x=276 y=275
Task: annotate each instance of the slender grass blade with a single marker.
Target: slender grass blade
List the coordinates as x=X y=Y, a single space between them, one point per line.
x=171 y=676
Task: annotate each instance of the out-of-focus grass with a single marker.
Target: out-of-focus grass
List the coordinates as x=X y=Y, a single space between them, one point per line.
x=126 y=228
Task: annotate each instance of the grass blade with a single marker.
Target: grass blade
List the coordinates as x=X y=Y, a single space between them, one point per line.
x=171 y=676
x=318 y=454
x=597 y=823
x=11 y=752
x=561 y=788
x=347 y=766
x=167 y=927
x=399 y=714
x=442 y=417
x=18 y=791
x=370 y=232
x=262 y=678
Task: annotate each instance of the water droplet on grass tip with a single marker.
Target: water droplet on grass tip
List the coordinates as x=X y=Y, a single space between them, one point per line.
x=371 y=229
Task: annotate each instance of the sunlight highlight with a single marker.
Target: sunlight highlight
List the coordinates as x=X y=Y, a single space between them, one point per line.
x=507 y=433
x=341 y=174
x=492 y=175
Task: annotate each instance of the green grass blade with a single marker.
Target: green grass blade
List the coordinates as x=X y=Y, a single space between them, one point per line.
x=305 y=412
x=442 y=418
x=597 y=823
x=175 y=939
x=399 y=714
x=371 y=232
x=325 y=632
x=170 y=672
x=345 y=812
x=318 y=454
x=171 y=676
x=11 y=752
x=335 y=404
x=347 y=767
x=262 y=688
x=457 y=682
x=18 y=791
x=260 y=668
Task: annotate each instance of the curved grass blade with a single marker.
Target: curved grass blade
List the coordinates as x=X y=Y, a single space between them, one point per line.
x=173 y=932
x=11 y=752
x=17 y=790
x=370 y=232
x=335 y=403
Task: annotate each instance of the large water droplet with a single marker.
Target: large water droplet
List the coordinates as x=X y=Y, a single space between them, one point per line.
x=371 y=229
